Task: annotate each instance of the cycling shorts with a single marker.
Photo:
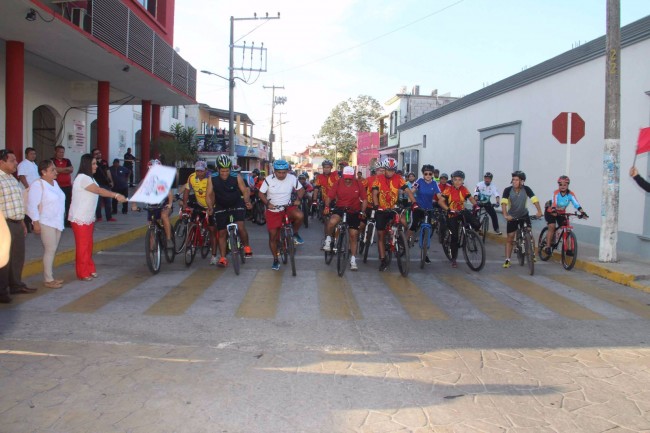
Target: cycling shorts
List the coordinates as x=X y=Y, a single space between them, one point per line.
x=352 y=220
x=274 y=220
x=222 y=217
x=513 y=225
x=383 y=218
x=554 y=219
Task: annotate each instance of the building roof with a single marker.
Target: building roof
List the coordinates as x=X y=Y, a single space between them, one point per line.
x=225 y=114
x=630 y=34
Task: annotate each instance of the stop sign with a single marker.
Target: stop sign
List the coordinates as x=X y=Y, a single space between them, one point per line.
x=560 y=124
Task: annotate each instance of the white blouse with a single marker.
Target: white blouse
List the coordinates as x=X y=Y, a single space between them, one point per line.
x=53 y=204
x=84 y=203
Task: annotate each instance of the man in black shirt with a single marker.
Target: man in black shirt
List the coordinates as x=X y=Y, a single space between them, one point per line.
x=120 y=176
x=103 y=178
x=129 y=161
x=639 y=180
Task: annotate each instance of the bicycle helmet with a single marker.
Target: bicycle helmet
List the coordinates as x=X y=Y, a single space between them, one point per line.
x=520 y=174
x=224 y=161
x=564 y=178
x=444 y=175
x=389 y=164
x=280 y=164
x=327 y=162
x=256 y=171
x=427 y=167
x=302 y=176
x=153 y=162
x=458 y=173
x=488 y=174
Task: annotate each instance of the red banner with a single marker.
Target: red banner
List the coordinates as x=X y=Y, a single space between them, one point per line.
x=643 y=144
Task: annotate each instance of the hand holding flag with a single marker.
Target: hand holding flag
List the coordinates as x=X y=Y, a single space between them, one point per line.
x=643 y=143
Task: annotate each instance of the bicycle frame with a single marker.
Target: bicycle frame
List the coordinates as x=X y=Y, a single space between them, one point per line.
x=286 y=246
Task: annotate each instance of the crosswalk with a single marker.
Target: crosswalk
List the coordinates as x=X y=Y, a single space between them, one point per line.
x=321 y=295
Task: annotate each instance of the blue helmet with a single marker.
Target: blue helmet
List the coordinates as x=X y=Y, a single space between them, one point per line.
x=281 y=164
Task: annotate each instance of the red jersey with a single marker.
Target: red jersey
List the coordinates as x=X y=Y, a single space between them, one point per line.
x=327 y=181
x=388 y=189
x=455 y=198
x=367 y=184
x=348 y=196
x=63 y=179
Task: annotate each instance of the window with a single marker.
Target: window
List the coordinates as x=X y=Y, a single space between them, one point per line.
x=424 y=141
x=175 y=111
x=149 y=5
x=410 y=161
x=393 y=123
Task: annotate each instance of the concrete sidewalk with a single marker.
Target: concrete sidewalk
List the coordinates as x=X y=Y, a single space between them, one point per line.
x=630 y=270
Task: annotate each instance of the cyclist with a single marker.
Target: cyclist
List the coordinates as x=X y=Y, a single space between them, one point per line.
x=309 y=189
x=225 y=192
x=426 y=194
x=513 y=205
x=348 y=193
x=367 y=185
x=194 y=196
x=260 y=180
x=562 y=198
x=324 y=182
x=384 y=196
x=436 y=175
x=453 y=199
x=443 y=183
x=274 y=193
x=484 y=192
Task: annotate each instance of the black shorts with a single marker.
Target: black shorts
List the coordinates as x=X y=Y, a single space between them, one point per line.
x=554 y=219
x=383 y=218
x=513 y=225
x=222 y=217
x=352 y=220
x=156 y=211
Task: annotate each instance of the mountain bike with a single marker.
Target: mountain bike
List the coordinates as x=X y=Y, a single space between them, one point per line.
x=468 y=240
x=340 y=244
x=259 y=209
x=155 y=240
x=234 y=245
x=305 y=207
x=367 y=238
x=180 y=229
x=286 y=247
x=563 y=234
x=425 y=233
x=523 y=244
x=484 y=219
x=198 y=238
x=395 y=242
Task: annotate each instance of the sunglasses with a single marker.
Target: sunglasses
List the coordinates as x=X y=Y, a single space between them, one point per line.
x=563 y=184
x=428 y=174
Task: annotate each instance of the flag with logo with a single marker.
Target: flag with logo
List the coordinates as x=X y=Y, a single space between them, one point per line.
x=156 y=185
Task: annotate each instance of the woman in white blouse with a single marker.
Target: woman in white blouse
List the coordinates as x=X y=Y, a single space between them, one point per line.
x=46 y=208
x=85 y=193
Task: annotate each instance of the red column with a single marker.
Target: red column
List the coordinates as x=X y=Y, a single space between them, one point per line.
x=155 y=123
x=145 y=137
x=103 y=96
x=14 y=97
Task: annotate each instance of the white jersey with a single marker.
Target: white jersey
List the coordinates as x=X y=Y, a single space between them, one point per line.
x=278 y=192
x=485 y=192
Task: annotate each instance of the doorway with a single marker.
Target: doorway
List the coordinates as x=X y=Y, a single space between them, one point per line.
x=45 y=131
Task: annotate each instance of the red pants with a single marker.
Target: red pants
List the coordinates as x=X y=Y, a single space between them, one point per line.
x=83 y=240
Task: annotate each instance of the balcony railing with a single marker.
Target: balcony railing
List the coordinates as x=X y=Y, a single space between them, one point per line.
x=117 y=26
x=383 y=141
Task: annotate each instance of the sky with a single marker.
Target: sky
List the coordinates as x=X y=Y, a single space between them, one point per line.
x=324 y=53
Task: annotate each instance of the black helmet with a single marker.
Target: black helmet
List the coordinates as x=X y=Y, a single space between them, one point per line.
x=458 y=173
x=488 y=174
x=444 y=175
x=427 y=167
x=520 y=174
x=256 y=171
x=327 y=162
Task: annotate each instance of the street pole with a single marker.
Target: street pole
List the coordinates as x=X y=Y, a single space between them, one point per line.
x=231 y=95
x=273 y=104
x=612 y=148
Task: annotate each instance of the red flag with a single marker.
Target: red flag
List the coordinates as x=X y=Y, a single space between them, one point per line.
x=643 y=145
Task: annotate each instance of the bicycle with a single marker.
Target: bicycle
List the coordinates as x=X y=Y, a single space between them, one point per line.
x=425 y=233
x=340 y=244
x=259 y=209
x=234 y=245
x=395 y=242
x=155 y=241
x=286 y=247
x=564 y=234
x=484 y=219
x=198 y=237
x=524 y=246
x=468 y=240
x=305 y=208
x=368 y=237
x=180 y=229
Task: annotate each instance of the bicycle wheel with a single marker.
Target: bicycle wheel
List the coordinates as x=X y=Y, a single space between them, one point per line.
x=367 y=240
x=180 y=233
x=260 y=216
x=343 y=252
x=446 y=244
x=425 y=236
x=569 y=251
x=474 y=251
x=234 y=252
x=284 y=246
x=484 y=226
x=402 y=253
x=291 y=251
x=530 y=251
x=520 y=248
x=305 y=211
x=387 y=249
x=541 y=246
x=152 y=250
x=170 y=254
x=190 y=244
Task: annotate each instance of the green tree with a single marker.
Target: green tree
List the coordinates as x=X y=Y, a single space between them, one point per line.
x=338 y=135
x=181 y=148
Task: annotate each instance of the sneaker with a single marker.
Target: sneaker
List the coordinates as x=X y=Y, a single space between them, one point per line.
x=383 y=265
x=427 y=260
x=213 y=261
x=223 y=262
x=353 y=264
x=506 y=264
x=498 y=233
x=454 y=264
x=297 y=239
x=248 y=252
x=327 y=245
x=99 y=219
x=276 y=265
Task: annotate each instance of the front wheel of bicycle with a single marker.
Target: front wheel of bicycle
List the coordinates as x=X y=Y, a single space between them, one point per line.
x=484 y=227
x=520 y=248
x=446 y=243
x=569 y=251
x=530 y=251
x=234 y=251
x=259 y=212
x=305 y=211
x=291 y=251
x=425 y=236
x=190 y=245
x=170 y=253
x=207 y=244
x=402 y=253
x=474 y=251
x=285 y=241
x=152 y=248
x=180 y=233
x=342 y=252
x=541 y=246
x=367 y=240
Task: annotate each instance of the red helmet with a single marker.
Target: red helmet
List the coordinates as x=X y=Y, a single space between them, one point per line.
x=564 y=178
x=389 y=164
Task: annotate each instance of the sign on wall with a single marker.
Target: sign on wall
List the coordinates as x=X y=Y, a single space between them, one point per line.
x=79 y=136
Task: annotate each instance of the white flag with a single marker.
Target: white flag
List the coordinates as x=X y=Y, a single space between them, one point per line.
x=156 y=185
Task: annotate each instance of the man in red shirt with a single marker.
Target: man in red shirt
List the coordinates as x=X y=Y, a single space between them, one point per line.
x=349 y=194
x=64 y=177
x=324 y=182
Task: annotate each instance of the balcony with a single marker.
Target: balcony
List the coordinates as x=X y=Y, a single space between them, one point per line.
x=383 y=141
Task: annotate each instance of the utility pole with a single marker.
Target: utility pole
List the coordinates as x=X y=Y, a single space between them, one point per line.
x=274 y=102
x=280 y=123
x=612 y=149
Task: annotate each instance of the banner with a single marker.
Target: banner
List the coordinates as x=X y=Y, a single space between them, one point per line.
x=156 y=185
x=643 y=144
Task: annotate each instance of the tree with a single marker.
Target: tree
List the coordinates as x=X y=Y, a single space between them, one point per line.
x=181 y=148
x=338 y=135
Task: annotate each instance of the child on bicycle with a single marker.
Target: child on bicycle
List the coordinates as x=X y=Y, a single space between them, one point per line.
x=426 y=194
x=562 y=198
